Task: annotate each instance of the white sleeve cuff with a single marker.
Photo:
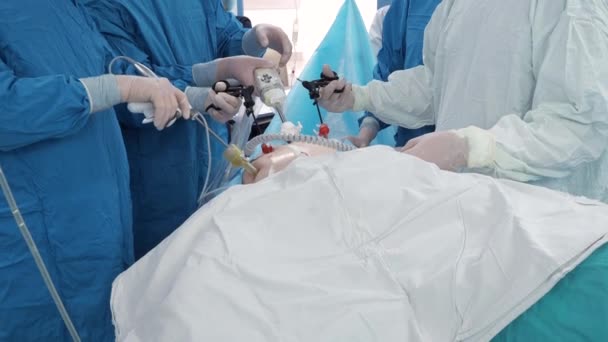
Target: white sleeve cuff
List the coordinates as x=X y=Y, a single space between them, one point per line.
x=482 y=146
x=361 y=98
x=197 y=97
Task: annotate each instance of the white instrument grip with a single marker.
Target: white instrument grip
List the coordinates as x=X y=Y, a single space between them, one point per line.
x=146 y=108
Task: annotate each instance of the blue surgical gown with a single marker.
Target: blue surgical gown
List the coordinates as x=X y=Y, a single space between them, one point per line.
x=68 y=172
x=168 y=168
x=402 y=38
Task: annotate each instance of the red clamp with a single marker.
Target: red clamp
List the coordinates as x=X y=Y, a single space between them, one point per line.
x=267 y=149
x=324 y=131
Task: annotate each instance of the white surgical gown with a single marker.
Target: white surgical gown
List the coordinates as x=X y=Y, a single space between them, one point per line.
x=375 y=29
x=534 y=73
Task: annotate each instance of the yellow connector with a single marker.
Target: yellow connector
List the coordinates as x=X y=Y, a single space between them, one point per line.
x=236 y=157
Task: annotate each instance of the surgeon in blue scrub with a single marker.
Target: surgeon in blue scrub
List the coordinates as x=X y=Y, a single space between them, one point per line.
x=402 y=37
x=168 y=168
x=63 y=155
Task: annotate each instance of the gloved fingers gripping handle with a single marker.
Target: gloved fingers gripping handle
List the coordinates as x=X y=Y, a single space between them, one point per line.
x=147 y=108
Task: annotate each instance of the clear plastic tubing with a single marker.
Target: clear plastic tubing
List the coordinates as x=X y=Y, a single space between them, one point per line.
x=310 y=139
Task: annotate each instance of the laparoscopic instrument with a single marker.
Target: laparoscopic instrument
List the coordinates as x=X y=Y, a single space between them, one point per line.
x=232 y=153
x=271 y=91
x=291 y=133
x=314 y=87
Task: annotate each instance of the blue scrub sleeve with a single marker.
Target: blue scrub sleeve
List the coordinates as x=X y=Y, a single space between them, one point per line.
x=392 y=25
x=229 y=32
x=40 y=108
x=120 y=30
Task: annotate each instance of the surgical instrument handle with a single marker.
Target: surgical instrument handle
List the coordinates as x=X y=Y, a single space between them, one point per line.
x=198 y=117
x=246 y=92
x=147 y=108
x=31 y=244
x=138 y=107
x=314 y=86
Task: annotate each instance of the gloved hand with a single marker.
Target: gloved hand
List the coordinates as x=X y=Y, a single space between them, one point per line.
x=365 y=137
x=336 y=102
x=165 y=98
x=268 y=36
x=240 y=68
x=446 y=149
x=221 y=106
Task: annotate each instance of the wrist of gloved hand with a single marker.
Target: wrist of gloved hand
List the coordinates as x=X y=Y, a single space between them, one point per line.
x=205 y=74
x=482 y=146
x=221 y=106
x=197 y=96
x=102 y=91
x=236 y=69
x=263 y=36
x=250 y=44
x=337 y=97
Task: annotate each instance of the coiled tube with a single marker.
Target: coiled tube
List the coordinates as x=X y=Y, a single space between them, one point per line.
x=310 y=139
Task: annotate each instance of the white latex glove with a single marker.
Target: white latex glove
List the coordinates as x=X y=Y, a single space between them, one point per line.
x=221 y=106
x=447 y=149
x=333 y=101
x=166 y=100
x=269 y=36
x=240 y=68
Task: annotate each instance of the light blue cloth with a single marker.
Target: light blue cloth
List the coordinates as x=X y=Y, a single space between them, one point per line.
x=168 y=168
x=402 y=38
x=347 y=50
x=68 y=171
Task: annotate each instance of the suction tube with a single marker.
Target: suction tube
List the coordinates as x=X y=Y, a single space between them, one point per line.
x=310 y=139
x=8 y=194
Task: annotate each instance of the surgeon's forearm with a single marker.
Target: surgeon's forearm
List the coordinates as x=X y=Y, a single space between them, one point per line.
x=251 y=46
x=518 y=150
x=205 y=74
x=103 y=91
x=404 y=100
x=368 y=131
x=39 y=108
x=549 y=145
x=230 y=34
x=197 y=96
